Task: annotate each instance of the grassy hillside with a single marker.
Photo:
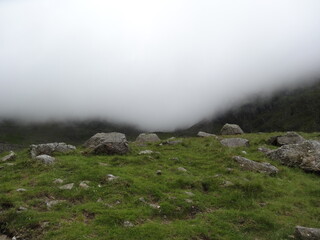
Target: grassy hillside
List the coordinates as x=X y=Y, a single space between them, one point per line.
x=213 y=199
x=297 y=109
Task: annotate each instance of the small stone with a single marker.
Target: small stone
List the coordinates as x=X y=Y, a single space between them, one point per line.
x=9 y=157
x=67 y=186
x=244 y=152
x=217 y=175
x=181 y=169
x=189 y=194
x=21 y=209
x=46 y=159
x=304 y=233
x=53 y=203
x=174 y=159
x=227 y=184
x=204 y=134
x=84 y=184
x=154 y=206
x=10 y=164
x=189 y=201
x=99 y=200
x=111 y=177
x=142 y=200
x=128 y=224
x=229 y=170
x=145 y=152
x=103 y=164
x=264 y=150
x=58 y=181
x=21 y=190
x=159 y=172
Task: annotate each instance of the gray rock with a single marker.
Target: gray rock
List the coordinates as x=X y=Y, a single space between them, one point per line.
x=231 y=129
x=256 y=166
x=288 y=138
x=52 y=203
x=204 y=134
x=58 y=181
x=171 y=142
x=227 y=184
x=128 y=224
x=108 y=143
x=264 y=150
x=111 y=177
x=303 y=233
x=50 y=148
x=84 y=184
x=305 y=155
x=159 y=172
x=148 y=138
x=67 y=186
x=21 y=190
x=182 y=169
x=189 y=194
x=4 y=237
x=235 y=142
x=145 y=152
x=11 y=156
x=46 y=159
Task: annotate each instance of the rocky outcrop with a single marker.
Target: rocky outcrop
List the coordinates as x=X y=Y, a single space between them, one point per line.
x=235 y=142
x=288 y=138
x=231 y=129
x=305 y=155
x=250 y=165
x=147 y=138
x=108 y=143
x=303 y=233
x=11 y=156
x=204 y=134
x=50 y=148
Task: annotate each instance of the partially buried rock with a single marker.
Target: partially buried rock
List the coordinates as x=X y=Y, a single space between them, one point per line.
x=50 y=148
x=303 y=233
x=182 y=169
x=84 y=184
x=145 y=152
x=58 y=181
x=256 y=166
x=108 y=143
x=235 y=142
x=305 y=155
x=204 y=134
x=231 y=129
x=147 y=138
x=46 y=159
x=288 y=138
x=11 y=156
x=67 y=186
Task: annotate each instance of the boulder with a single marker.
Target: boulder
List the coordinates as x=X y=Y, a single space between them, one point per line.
x=148 y=138
x=46 y=159
x=231 y=129
x=288 y=138
x=108 y=143
x=305 y=155
x=50 y=148
x=9 y=157
x=250 y=165
x=303 y=233
x=235 y=142
x=204 y=134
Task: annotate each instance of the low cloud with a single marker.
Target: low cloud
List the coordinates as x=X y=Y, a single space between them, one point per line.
x=156 y=64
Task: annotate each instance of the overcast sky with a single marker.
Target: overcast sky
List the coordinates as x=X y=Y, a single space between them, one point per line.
x=158 y=64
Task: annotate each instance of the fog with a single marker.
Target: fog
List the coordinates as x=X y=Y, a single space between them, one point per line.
x=156 y=64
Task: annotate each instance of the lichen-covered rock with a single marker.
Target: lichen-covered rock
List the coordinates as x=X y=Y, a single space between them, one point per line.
x=108 y=143
x=46 y=159
x=235 y=142
x=303 y=233
x=288 y=138
x=147 y=138
x=50 y=148
x=305 y=155
x=231 y=129
x=204 y=134
x=256 y=166
x=11 y=156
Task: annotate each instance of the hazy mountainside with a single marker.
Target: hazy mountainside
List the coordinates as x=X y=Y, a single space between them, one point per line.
x=297 y=109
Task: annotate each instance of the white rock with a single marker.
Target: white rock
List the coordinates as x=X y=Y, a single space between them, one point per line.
x=67 y=186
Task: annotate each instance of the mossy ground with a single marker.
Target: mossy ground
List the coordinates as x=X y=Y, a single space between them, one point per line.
x=256 y=206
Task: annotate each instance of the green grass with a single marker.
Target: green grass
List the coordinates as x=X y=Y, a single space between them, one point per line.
x=256 y=207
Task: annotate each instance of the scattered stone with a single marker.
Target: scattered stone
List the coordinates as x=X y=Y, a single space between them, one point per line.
x=111 y=177
x=181 y=169
x=46 y=159
x=154 y=206
x=10 y=164
x=227 y=184
x=159 y=172
x=50 y=148
x=128 y=224
x=264 y=150
x=84 y=184
x=58 y=181
x=231 y=129
x=147 y=138
x=256 y=166
x=204 y=134
x=145 y=152
x=229 y=170
x=305 y=155
x=189 y=194
x=244 y=152
x=171 y=142
x=174 y=159
x=303 y=233
x=142 y=200
x=189 y=201
x=217 y=175
x=67 y=186
x=21 y=190
x=108 y=143
x=235 y=142
x=11 y=156
x=103 y=164
x=288 y=138
x=1 y=167
x=22 y=209
x=100 y=200
x=52 y=203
